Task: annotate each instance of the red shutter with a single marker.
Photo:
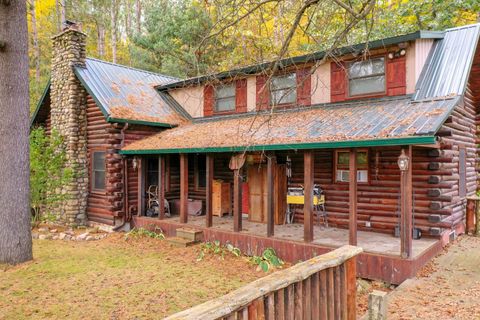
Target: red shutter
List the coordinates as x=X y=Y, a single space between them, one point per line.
x=396 y=76
x=241 y=95
x=338 y=81
x=304 y=87
x=208 y=100
x=263 y=94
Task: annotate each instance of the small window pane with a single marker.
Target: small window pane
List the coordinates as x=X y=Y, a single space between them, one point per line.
x=98 y=170
x=225 y=104
x=284 y=96
x=343 y=158
x=283 y=89
x=366 y=68
x=367 y=85
x=366 y=77
x=225 y=98
x=362 y=159
x=99 y=161
x=99 y=180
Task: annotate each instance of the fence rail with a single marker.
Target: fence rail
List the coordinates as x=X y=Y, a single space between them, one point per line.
x=323 y=287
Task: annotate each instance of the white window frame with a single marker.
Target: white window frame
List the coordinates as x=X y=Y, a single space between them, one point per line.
x=220 y=99
x=372 y=75
x=291 y=90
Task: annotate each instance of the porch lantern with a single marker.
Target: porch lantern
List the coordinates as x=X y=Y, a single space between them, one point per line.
x=403 y=161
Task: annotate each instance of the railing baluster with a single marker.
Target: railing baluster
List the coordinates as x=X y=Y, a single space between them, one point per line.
x=315 y=296
x=298 y=300
x=330 y=295
x=323 y=295
x=280 y=304
x=291 y=301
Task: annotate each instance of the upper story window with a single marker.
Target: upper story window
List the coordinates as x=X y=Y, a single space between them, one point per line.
x=98 y=170
x=283 y=89
x=342 y=167
x=366 y=77
x=225 y=98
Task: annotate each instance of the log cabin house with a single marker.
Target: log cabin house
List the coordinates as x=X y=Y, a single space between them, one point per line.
x=380 y=142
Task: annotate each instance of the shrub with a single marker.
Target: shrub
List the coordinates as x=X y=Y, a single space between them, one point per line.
x=47 y=172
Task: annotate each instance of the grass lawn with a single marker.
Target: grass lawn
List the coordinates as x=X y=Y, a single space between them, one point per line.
x=114 y=278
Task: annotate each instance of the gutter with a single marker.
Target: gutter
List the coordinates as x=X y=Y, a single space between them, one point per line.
x=414 y=140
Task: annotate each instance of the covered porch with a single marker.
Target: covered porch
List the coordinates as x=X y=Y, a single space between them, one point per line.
x=369 y=202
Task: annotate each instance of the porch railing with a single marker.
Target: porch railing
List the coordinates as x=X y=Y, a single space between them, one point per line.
x=323 y=287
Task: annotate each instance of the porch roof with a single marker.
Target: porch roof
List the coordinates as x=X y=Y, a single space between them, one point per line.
x=376 y=122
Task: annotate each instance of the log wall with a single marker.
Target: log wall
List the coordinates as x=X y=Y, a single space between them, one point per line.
x=104 y=207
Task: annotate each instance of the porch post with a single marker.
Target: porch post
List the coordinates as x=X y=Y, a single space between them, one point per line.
x=352 y=235
x=183 y=188
x=161 y=187
x=237 y=201
x=141 y=187
x=270 y=202
x=308 y=191
x=406 y=191
x=208 y=193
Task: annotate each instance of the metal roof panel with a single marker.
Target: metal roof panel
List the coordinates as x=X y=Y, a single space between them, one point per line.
x=446 y=71
x=126 y=94
x=370 y=120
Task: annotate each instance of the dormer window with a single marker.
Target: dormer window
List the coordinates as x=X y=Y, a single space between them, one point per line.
x=225 y=98
x=283 y=89
x=366 y=77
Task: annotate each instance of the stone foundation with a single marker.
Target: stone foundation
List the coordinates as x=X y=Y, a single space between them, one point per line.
x=69 y=119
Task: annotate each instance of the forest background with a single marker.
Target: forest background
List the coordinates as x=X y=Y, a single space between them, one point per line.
x=185 y=38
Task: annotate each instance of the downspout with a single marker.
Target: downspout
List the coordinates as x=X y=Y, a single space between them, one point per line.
x=126 y=215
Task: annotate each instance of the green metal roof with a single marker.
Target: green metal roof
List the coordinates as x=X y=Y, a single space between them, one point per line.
x=368 y=123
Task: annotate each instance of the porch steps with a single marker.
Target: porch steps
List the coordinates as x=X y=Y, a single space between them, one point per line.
x=186 y=237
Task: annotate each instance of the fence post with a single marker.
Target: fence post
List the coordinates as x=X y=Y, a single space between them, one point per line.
x=377 y=305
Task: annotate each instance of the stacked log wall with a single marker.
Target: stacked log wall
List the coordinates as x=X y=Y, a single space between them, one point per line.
x=105 y=206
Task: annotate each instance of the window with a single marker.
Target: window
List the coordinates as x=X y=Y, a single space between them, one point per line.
x=366 y=77
x=225 y=98
x=200 y=171
x=98 y=170
x=343 y=166
x=283 y=89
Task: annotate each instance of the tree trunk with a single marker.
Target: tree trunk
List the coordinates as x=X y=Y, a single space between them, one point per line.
x=114 y=30
x=101 y=40
x=138 y=14
x=36 y=47
x=15 y=234
x=61 y=15
x=128 y=18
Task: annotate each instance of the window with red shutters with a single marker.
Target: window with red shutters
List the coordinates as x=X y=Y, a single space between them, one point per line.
x=395 y=79
x=304 y=87
x=396 y=76
x=208 y=100
x=263 y=93
x=337 y=82
x=241 y=96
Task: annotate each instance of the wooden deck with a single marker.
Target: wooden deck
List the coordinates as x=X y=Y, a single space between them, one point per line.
x=381 y=258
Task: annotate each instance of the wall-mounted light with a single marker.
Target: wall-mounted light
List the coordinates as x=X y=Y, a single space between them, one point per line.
x=403 y=161
x=397 y=54
x=135 y=163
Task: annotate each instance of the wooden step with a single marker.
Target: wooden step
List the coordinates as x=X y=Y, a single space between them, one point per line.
x=190 y=234
x=181 y=242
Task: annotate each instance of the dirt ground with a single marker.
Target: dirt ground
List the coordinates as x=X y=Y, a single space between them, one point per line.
x=447 y=288
x=114 y=278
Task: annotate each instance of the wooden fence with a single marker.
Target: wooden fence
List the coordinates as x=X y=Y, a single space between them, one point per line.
x=321 y=288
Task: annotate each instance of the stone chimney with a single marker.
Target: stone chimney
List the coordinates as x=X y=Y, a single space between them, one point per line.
x=69 y=119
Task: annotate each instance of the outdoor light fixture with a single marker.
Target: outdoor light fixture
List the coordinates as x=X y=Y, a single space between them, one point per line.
x=403 y=161
x=135 y=163
x=397 y=54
